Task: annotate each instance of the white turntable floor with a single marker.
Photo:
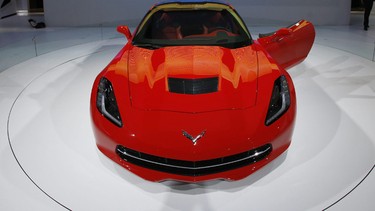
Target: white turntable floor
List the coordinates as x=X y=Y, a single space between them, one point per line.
x=49 y=160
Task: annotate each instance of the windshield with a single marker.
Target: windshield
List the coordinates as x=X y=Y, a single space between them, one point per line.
x=191 y=26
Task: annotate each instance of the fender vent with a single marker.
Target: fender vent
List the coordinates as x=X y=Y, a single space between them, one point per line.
x=193 y=86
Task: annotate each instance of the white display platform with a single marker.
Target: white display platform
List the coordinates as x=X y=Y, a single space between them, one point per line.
x=49 y=159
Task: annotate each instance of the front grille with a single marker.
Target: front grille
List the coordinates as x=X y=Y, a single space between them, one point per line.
x=193 y=168
x=193 y=86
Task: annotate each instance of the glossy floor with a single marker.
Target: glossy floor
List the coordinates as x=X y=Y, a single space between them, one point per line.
x=49 y=160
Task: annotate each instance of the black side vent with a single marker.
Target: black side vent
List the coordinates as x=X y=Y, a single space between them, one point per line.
x=193 y=86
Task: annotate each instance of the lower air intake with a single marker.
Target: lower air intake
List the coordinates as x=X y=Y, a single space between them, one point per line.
x=193 y=168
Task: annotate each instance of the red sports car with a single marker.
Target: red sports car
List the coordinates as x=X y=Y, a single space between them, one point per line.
x=192 y=97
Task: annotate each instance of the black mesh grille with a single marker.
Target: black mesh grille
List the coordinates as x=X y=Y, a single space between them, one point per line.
x=193 y=168
x=193 y=86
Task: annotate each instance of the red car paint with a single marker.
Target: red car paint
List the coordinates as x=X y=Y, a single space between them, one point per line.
x=230 y=120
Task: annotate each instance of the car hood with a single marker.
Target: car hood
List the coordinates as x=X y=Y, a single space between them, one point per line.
x=192 y=78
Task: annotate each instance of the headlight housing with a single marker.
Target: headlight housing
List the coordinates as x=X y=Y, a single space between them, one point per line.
x=280 y=100
x=106 y=102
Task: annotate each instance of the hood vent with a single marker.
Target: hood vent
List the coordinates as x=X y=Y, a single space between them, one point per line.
x=193 y=86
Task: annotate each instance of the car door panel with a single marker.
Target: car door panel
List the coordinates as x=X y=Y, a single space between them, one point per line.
x=289 y=46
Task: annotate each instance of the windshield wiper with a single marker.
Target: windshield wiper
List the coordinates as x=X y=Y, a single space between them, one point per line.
x=222 y=41
x=150 y=46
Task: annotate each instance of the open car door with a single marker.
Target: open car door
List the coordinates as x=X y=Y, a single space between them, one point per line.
x=289 y=46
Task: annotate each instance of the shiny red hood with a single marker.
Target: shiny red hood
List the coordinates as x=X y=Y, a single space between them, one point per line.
x=151 y=73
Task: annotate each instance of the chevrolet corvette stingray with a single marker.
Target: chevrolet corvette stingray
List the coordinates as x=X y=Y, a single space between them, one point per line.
x=192 y=97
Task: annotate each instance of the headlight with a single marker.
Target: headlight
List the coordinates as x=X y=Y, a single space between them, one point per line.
x=280 y=100
x=106 y=102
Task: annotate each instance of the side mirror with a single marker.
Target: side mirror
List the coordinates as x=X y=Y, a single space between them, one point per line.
x=125 y=31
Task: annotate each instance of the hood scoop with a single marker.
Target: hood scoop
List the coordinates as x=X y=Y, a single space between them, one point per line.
x=193 y=86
